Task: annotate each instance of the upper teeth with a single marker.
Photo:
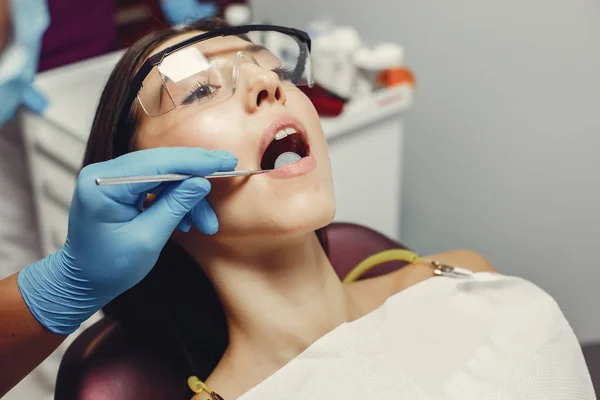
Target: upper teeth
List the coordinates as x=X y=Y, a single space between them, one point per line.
x=284 y=133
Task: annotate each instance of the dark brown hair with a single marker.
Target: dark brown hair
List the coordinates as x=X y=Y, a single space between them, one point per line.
x=174 y=311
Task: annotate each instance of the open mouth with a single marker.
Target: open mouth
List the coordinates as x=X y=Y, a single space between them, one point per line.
x=287 y=147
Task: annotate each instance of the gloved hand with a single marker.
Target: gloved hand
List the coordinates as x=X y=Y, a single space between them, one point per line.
x=19 y=60
x=111 y=244
x=186 y=11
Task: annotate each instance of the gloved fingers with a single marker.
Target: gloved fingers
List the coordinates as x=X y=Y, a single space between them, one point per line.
x=157 y=189
x=172 y=160
x=186 y=223
x=147 y=197
x=35 y=100
x=204 y=218
x=182 y=11
x=166 y=213
x=182 y=160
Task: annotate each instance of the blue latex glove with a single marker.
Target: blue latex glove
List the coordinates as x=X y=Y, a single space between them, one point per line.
x=19 y=61
x=111 y=245
x=186 y=11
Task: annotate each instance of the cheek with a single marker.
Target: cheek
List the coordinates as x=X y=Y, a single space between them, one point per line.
x=301 y=106
x=304 y=110
x=213 y=129
x=265 y=207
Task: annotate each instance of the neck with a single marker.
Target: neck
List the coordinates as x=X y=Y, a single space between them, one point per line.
x=277 y=300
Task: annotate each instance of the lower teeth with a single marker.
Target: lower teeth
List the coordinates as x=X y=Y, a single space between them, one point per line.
x=288 y=157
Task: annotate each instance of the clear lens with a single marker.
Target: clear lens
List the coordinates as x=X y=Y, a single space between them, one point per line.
x=203 y=74
x=153 y=97
x=283 y=54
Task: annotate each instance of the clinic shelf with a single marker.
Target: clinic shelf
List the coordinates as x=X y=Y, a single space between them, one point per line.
x=362 y=113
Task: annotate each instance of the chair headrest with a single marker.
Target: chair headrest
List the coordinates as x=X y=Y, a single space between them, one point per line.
x=105 y=363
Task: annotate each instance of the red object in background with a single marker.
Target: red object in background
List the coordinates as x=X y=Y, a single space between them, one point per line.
x=326 y=103
x=78 y=30
x=135 y=18
x=395 y=77
x=84 y=29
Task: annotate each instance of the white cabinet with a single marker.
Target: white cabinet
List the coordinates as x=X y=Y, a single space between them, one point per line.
x=365 y=145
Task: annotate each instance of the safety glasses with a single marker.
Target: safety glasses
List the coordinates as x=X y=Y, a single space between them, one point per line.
x=205 y=70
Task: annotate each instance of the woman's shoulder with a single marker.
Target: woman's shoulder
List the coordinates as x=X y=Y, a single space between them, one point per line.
x=486 y=281
x=413 y=274
x=468 y=259
x=485 y=275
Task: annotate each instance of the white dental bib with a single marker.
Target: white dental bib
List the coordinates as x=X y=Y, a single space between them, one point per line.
x=489 y=337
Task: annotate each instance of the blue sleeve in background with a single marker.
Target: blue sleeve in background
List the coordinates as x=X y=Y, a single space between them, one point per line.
x=19 y=61
x=179 y=12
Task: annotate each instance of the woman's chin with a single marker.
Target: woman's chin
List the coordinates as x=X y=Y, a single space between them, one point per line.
x=275 y=217
x=291 y=222
x=307 y=220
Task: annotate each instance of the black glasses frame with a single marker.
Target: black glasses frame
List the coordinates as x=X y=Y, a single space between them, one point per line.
x=156 y=59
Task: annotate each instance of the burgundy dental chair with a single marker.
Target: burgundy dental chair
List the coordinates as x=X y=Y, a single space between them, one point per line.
x=104 y=364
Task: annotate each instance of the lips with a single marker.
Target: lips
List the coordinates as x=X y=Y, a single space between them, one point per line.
x=296 y=141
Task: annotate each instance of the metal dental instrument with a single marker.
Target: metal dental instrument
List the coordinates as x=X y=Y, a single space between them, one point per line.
x=175 y=177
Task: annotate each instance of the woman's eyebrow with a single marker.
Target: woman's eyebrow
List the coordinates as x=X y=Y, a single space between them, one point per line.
x=255 y=48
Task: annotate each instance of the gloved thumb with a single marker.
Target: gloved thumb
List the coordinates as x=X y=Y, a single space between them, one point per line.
x=170 y=207
x=202 y=217
x=35 y=100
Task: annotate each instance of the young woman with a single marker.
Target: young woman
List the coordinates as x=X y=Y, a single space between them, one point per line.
x=256 y=309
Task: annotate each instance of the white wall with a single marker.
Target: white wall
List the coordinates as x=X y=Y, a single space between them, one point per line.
x=502 y=145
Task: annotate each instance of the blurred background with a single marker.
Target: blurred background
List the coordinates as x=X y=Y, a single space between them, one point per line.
x=465 y=124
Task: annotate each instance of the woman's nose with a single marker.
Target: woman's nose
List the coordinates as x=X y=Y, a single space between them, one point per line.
x=263 y=87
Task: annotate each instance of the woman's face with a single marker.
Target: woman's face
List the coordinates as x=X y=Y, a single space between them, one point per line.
x=294 y=199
